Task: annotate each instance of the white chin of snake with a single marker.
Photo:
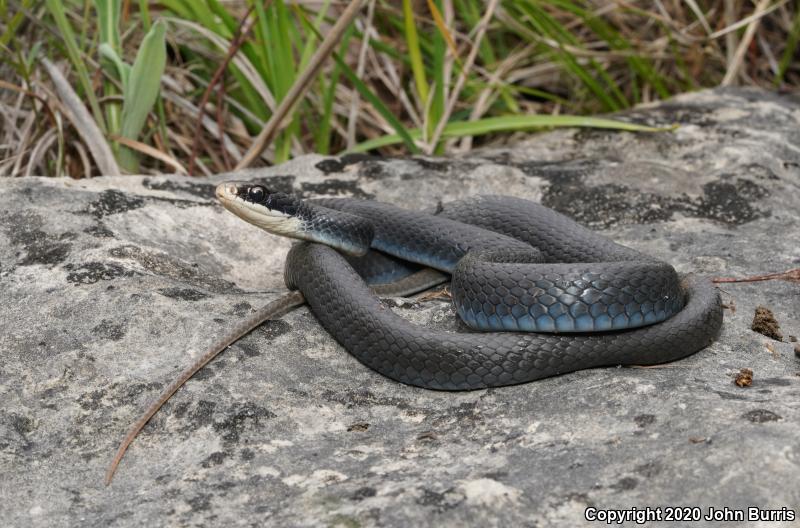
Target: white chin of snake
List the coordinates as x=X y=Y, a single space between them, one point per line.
x=272 y=221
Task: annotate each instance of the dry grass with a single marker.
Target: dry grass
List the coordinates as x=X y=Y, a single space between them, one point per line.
x=466 y=60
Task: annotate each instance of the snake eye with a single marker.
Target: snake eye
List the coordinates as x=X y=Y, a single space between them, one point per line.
x=256 y=194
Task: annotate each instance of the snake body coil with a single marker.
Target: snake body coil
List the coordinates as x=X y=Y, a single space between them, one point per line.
x=517 y=266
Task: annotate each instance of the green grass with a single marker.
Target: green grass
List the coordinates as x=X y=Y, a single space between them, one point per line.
x=539 y=64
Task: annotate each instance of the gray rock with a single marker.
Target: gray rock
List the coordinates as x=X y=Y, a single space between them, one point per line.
x=110 y=286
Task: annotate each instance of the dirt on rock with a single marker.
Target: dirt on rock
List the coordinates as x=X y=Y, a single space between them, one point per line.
x=764 y=323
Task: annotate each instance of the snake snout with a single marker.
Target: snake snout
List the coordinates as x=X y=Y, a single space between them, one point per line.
x=226 y=190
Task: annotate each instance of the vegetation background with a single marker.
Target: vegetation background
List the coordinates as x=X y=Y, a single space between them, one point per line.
x=206 y=86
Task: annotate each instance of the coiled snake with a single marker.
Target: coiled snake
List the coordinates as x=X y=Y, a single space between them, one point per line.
x=516 y=267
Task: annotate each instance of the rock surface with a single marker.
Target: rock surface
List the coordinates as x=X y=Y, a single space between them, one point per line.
x=110 y=286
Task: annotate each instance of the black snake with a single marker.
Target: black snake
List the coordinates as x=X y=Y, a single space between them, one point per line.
x=516 y=265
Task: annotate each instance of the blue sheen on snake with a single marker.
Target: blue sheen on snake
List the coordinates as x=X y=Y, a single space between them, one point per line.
x=517 y=267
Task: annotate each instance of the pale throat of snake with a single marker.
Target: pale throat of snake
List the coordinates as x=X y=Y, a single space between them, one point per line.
x=287 y=215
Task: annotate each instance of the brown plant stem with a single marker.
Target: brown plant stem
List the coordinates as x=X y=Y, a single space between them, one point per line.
x=236 y=43
x=792 y=275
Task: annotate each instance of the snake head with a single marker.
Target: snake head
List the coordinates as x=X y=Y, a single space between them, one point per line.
x=276 y=212
x=257 y=197
x=287 y=215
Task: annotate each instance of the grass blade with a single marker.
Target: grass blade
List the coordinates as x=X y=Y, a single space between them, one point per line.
x=789 y=50
x=510 y=124
x=438 y=19
x=414 y=53
x=117 y=69
x=56 y=9
x=403 y=135
x=301 y=85
x=142 y=89
x=108 y=13
x=75 y=111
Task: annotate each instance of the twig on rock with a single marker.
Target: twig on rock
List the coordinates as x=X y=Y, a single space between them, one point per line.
x=792 y=275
